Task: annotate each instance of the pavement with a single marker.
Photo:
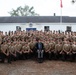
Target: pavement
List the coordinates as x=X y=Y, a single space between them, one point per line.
x=32 y=67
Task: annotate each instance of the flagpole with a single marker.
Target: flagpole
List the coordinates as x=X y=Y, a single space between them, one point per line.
x=61 y=16
x=61 y=12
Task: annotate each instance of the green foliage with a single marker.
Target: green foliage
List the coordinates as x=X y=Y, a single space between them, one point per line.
x=23 y=11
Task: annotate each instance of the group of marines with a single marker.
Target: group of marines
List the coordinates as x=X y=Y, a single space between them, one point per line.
x=20 y=45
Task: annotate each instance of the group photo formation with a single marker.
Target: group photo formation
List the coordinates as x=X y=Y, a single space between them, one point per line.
x=37 y=37
x=47 y=45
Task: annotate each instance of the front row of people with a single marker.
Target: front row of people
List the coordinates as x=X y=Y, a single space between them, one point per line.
x=17 y=51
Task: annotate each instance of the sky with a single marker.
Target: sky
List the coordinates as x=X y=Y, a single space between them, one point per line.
x=42 y=7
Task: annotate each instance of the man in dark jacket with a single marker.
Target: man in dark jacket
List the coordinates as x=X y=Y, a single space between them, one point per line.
x=40 y=50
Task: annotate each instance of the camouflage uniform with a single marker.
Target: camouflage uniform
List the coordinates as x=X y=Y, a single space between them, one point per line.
x=0 y=40
x=19 y=50
x=12 y=49
x=5 y=53
x=73 y=52
x=0 y=45
x=58 y=48
x=25 y=51
x=32 y=46
x=65 y=51
x=46 y=48
x=52 y=49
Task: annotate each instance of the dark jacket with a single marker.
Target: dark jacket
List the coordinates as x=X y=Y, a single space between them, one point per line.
x=37 y=46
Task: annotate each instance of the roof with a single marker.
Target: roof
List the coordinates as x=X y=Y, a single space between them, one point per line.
x=37 y=19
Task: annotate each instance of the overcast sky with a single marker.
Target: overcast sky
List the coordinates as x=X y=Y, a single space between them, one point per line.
x=42 y=7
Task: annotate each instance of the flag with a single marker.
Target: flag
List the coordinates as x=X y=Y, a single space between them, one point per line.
x=61 y=5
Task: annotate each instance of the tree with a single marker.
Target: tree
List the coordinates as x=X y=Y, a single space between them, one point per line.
x=23 y=11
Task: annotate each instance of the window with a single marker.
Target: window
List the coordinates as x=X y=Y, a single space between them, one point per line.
x=68 y=28
x=18 y=28
x=46 y=28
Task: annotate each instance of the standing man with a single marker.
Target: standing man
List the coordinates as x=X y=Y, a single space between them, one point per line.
x=40 y=50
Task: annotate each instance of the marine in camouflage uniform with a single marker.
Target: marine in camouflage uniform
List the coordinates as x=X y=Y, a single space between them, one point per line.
x=24 y=56
x=12 y=49
x=19 y=50
x=32 y=47
x=73 y=51
x=28 y=51
x=0 y=39
x=0 y=45
x=58 y=48
x=66 y=50
x=5 y=52
x=52 y=49
x=46 y=48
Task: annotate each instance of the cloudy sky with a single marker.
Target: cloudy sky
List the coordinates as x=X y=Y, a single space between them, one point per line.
x=42 y=7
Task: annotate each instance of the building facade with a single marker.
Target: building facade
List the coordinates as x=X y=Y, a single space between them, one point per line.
x=37 y=23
